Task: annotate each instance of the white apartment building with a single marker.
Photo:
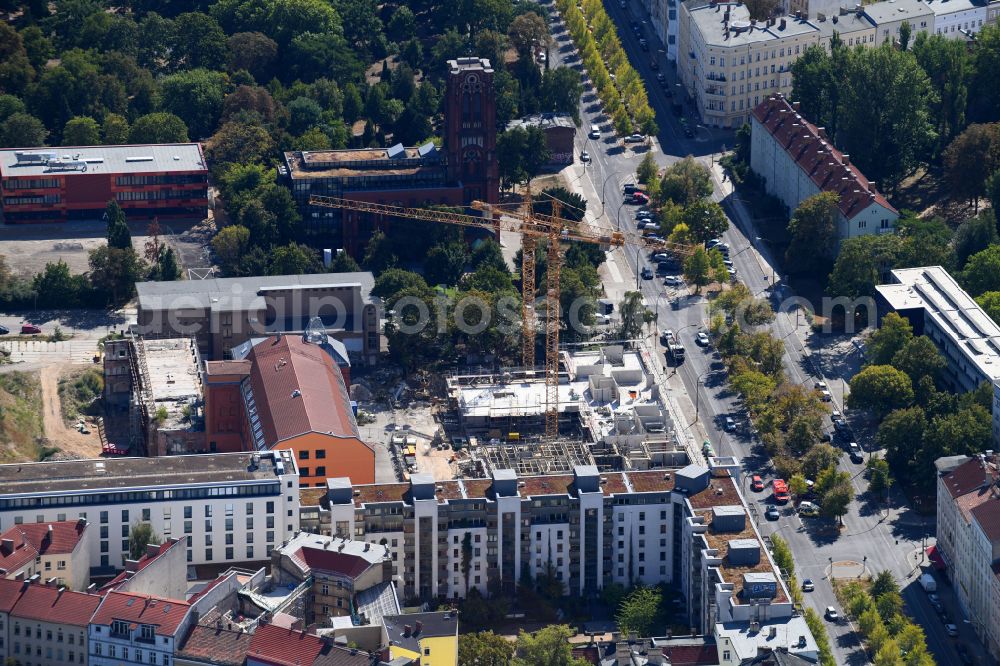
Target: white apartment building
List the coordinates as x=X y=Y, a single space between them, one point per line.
x=936 y=306
x=890 y=15
x=728 y=63
x=795 y=161
x=960 y=19
x=234 y=507
x=968 y=538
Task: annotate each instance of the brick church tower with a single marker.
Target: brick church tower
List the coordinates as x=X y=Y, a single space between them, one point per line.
x=471 y=129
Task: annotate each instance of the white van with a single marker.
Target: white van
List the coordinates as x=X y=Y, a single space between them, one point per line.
x=595 y=132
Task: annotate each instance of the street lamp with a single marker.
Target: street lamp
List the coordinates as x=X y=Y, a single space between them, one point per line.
x=605 y=184
x=697 y=393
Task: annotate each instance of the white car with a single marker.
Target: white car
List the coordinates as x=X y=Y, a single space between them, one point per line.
x=808 y=509
x=673 y=281
x=667 y=337
x=585 y=157
x=826 y=396
x=831 y=614
x=635 y=138
x=702 y=339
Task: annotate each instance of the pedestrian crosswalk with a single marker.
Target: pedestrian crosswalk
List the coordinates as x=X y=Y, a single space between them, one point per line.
x=29 y=351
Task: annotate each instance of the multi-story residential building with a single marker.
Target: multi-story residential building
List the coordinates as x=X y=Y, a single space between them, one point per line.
x=44 y=625
x=890 y=15
x=222 y=313
x=136 y=629
x=339 y=570
x=685 y=527
x=960 y=19
x=968 y=538
x=936 y=306
x=76 y=182
x=58 y=552
x=728 y=62
x=463 y=171
x=795 y=160
x=429 y=639
x=233 y=507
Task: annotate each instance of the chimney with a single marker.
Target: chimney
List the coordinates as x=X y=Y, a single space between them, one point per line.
x=367 y=546
x=772 y=632
x=781 y=26
x=48 y=534
x=417 y=627
x=131 y=565
x=6 y=546
x=847 y=159
x=407 y=630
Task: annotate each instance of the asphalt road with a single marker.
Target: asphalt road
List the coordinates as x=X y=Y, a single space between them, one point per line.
x=875 y=536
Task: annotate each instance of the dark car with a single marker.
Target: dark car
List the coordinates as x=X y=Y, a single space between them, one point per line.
x=30 y=329
x=963 y=654
x=661 y=79
x=654 y=65
x=643 y=44
x=772 y=513
x=4 y=330
x=688 y=132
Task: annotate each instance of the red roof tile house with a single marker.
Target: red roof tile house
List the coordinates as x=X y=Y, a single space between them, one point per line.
x=44 y=625
x=795 y=160
x=272 y=645
x=137 y=629
x=296 y=399
x=58 y=550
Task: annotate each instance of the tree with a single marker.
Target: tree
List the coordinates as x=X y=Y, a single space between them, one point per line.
x=199 y=41
x=445 y=263
x=167 y=269
x=196 y=97
x=117 y=234
x=696 y=269
x=16 y=71
x=905 y=30
x=647 y=169
x=706 y=220
x=303 y=114
x=993 y=193
x=884 y=343
x=247 y=100
x=879 y=478
x=240 y=143
x=880 y=389
x=990 y=302
x=813 y=229
x=948 y=66
x=254 y=52
x=546 y=647
x=835 y=492
x=819 y=457
x=986 y=72
x=293 y=259
x=633 y=315
x=115 y=129
x=402 y=24
x=898 y=434
x=885 y=140
x=343 y=263
x=526 y=32
x=392 y=282
x=160 y=127
x=484 y=648
x=521 y=153
x=81 y=131
x=686 y=181
x=782 y=554
x=560 y=91
x=488 y=254
x=975 y=235
x=856 y=270
x=56 y=287
x=115 y=271
x=22 y=129
x=883 y=583
x=639 y=612
x=141 y=535
x=970 y=159
x=919 y=357
x=982 y=272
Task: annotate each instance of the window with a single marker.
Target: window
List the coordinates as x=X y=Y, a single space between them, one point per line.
x=124 y=515
x=147 y=632
x=124 y=530
x=208 y=554
x=120 y=628
x=304 y=471
x=321 y=471
x=321 y=454
x=303 y=455
x=145 y=515
x=187 y=512
x=104 y=517
x=208 y=510
x=249 y=552
x=249 y=524
x=229 y=553
x=249 y=508
x=270 y=507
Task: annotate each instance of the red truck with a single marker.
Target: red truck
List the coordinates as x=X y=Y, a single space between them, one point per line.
x=780 y=491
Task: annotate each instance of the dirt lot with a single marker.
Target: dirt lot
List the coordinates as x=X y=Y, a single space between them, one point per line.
x=29 y=247
x=70 y=442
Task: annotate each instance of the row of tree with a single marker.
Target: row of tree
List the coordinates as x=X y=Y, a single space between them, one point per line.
x=548 y=646
x=891 y=636
x=618 y=84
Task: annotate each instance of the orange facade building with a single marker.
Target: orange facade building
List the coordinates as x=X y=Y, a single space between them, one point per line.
x=290 y=394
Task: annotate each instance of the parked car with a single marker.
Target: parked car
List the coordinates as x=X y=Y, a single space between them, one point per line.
x=688 y=132
x=820 y=386
x=585 y=157
x=595 y=132
x=701 y=339
x=933 y=598
x=854 y=451
x=647 y=273
x=808 y=509
x=667 y=337
x=807 y=585
x=730 y=424
x=757 y=483
x=30 y=329
x=825 y=396
x=661 y=78
x=4 y=330
x=630 y=188
x=643 y=44
x=644 y=214
x=951 y=629
x=963 y=654
x=673 y=281
x=635 y=138
x=640 y=198
x=831 y=614
x=653 y=64
x=772 y=513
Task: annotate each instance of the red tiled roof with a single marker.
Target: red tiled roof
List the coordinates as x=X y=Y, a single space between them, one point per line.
x=330 y=560
x=987 y=515
x=299 y=389
x=48 y=604
x=691 y=655
x=32 y=540
x=10 y=592
x=216 y=646
x=284 y=647
x=164 y=614
x=824 y=164
x=965 y=478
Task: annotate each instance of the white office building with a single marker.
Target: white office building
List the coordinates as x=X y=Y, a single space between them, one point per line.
x=234 y=507
x=961 y=19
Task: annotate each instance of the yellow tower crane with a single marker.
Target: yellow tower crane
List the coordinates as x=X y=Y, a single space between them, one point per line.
x=532 y=227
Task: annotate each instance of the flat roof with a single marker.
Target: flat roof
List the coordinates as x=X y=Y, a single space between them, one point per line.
x=844 y=25
x=945 y=7
x=68 y=476
x=709 y=22
x=136 y=158
x=748 y=641
x=353 y=164
x=244 y=293
x=952 y=310
x=544 y=120
x=174 y=376
x=891 y=11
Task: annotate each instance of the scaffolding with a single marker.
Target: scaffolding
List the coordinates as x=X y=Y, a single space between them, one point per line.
x=535 y=458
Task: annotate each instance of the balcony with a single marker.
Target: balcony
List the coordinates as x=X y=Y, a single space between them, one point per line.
x=718 y=92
